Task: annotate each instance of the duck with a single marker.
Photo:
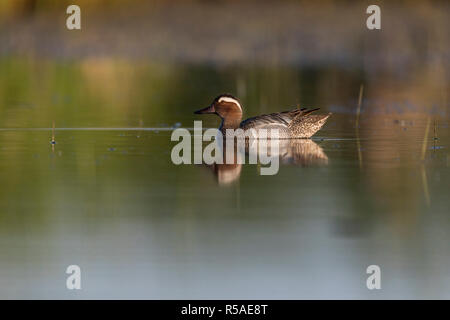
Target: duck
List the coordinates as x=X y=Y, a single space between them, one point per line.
x=292 y=124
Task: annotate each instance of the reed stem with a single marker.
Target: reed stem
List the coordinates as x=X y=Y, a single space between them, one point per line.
x=358 y=112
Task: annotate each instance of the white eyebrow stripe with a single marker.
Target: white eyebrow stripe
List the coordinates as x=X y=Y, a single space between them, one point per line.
x=228 y=99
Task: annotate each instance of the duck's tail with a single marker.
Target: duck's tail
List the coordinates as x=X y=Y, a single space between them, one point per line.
x=305 y=125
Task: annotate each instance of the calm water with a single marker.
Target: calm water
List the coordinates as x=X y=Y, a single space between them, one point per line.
x=112 y=202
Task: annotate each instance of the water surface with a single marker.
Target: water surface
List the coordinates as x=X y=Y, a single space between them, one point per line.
x=108 y=198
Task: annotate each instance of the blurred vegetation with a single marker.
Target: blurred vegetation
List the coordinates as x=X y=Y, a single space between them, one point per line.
x=276 y=45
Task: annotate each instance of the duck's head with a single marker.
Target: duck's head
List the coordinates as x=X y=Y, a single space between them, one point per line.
x=225 y=106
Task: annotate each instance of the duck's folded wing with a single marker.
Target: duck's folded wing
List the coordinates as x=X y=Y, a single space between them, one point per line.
x=306 y=126
x=278 y=119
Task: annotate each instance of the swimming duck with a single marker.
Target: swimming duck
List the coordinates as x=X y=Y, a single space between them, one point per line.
x=296 y=123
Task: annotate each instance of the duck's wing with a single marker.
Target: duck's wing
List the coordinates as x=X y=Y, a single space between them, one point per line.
x=305 y=126
x=278 y=119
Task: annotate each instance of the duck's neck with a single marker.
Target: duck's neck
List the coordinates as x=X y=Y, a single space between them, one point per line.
x=230 y=123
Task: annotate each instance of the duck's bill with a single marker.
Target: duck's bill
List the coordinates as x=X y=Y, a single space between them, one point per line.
x=209 y=109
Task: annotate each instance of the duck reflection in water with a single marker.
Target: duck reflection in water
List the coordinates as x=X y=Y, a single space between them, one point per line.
x=297 y=152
